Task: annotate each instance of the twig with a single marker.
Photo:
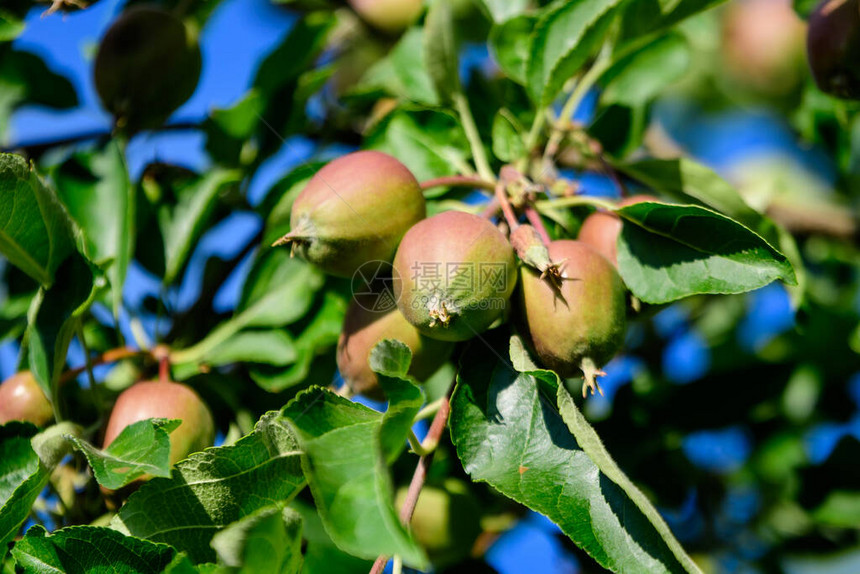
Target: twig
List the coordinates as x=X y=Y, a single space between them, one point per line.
x=478 y=151
x=535 y=219
x=111 y=356
x=36 y=147
x=437 y=427
x=458 y=181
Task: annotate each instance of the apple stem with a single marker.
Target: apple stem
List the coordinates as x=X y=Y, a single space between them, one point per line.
x=505 y=203
x=535 y=219
x=162 y=355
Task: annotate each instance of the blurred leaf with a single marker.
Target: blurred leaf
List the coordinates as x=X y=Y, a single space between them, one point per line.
x=430 y=144
x=54 y=316
x=25 y=78
x=270 y=347
x=279 y=289
x=651 y=17
x=508 y=141
x=89 y=550
x=182 y=224
x=501 y=10
x=228 y=129
x=319 y=335
x=620 y=129
x=141 y=448
x=212 y=489
x=686 y=180
x=805 y=7
x=840 y=509
x=10 y=26
x=440 y=49
x=99 y=197
x=403 y=73
x=13 y=315
x=295 y=54
x=667 y=252
x=24 y=473
x=353 y=494
x=35 y=232
x=564 y=38
x=268 y=540
x=641 y=76
x=508 y=433
x=510 y=41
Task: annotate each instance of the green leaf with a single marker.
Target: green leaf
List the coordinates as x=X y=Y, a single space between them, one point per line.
x=141 y=448
x=440 y=49
x=99 y=197
x=35 y=231
x=390 y=359
x=26 y=462
x=564 y=38
x=642 y=75
x=667 y=252
x=508 y=432
x=182 y=224
x=212 y=489
x=430 y=144
x=22 y=478
x=321 y=554
x=508 y=141
x=588 y=440
x=501 y=10
x=510 y=41
x=353 y=494
x=89 y=550
x=268 y=540
x=55 y=315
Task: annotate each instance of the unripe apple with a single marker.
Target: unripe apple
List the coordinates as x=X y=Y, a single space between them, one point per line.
x=763 y=45
x=22 y=399
x=389 y=16
x=154 y=399
x=363 y=328
x=446 y=522
x=579 y=326
x=454 y=274
x=354 y=210
x=601 y=229
x=147 y=66
x=833 y=47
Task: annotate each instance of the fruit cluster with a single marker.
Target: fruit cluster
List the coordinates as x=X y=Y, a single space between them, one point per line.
x=453 y=276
